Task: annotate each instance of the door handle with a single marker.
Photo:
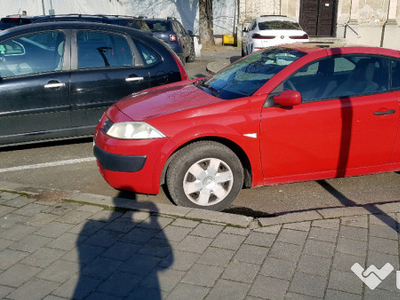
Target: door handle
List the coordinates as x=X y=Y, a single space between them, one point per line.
x=129 y=79
x=385 y=112
x=52 y=85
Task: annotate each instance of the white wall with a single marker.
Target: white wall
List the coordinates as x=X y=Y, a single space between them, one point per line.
x=186 y=11
x=39 y=7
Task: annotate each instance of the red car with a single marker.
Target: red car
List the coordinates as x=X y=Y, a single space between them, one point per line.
x=284 y=114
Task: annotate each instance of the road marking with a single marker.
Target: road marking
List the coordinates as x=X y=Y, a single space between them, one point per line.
x=49 y=164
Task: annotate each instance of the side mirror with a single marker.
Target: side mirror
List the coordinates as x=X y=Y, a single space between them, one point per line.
x=190 y=32
x=288 y=98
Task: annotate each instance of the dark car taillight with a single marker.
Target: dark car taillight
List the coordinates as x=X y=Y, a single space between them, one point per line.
x=300 y=37
x=172 y=37
x=262 y=37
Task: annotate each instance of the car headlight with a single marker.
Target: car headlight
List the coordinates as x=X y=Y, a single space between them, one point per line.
x=134 y=131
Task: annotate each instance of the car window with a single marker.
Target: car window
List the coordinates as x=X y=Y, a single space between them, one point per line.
x=176 y=27
x=149 y=56
x=246 y=76
x=159 y=26
x=24 y=55
x=253 y=25
x=340 y=76
x=278 y=25
x=181 y=29
x=103 y=50
x=395 y=65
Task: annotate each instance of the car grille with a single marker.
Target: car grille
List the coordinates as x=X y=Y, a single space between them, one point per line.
x=106 y=125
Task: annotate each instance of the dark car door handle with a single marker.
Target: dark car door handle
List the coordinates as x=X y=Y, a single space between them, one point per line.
x=385 y=112
x=52 y=85
x=129 y=79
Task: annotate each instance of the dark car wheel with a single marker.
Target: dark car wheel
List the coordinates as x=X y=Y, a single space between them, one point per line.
x=206 y=175
x=192 y=54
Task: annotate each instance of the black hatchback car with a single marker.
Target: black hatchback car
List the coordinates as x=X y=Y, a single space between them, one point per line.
x=57 y=78
x=172 y=32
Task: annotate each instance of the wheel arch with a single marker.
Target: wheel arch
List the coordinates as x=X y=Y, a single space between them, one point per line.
x=241 y=154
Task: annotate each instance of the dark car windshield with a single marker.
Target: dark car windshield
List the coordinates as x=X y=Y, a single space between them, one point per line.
x=244 y=77
x=278 y=25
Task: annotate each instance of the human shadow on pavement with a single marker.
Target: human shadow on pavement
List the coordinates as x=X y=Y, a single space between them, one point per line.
x=346 y=141
x=122 y=255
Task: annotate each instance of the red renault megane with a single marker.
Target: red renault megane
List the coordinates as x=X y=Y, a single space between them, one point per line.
x=284 y=114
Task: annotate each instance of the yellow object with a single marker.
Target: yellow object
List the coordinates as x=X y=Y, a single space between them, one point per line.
x=229 y=39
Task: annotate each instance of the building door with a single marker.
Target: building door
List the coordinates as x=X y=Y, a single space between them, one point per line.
x=318 y=17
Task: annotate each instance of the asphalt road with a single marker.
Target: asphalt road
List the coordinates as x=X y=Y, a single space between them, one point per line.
x=70 y=166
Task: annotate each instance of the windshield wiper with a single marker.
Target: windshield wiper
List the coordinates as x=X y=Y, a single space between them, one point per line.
x=214 y=91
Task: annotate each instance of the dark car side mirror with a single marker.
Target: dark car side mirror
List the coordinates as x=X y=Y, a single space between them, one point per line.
x=288 y=98
x=190 y=32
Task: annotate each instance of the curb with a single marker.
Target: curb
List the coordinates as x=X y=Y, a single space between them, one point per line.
x=216 y=66
x=207 y=215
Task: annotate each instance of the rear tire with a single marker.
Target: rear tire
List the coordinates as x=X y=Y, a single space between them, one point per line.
x=205 y=175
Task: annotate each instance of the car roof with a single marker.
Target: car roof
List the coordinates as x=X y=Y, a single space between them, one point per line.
x=168 y=19
x=356 y=49
x=35 y=27
x=265 y=18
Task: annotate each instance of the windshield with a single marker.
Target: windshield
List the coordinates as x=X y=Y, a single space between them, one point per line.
x=278 y=25
x=244 y=77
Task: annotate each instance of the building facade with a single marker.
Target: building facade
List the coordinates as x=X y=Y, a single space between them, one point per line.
x=367 y=22
x=364 y=22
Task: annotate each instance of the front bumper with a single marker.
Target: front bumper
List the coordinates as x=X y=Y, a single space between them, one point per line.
x=119 y=163
x=132 y=165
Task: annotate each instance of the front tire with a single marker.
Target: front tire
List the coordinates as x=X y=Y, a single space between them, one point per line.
x=205 y=175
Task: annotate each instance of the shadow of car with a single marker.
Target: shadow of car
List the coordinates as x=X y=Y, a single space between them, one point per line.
x=57 y=78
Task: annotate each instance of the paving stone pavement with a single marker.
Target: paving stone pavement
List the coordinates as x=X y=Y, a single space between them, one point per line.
x=66 y=245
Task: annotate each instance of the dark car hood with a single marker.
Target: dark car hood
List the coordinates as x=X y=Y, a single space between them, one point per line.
x=164 y=100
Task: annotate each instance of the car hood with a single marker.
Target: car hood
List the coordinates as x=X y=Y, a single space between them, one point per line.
x=164 y=100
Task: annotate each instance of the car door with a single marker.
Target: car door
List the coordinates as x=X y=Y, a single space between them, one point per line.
x=348 y=119
x=33 y=87
x=107 y=68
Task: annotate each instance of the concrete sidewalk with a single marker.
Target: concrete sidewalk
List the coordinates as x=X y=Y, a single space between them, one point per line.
x=63 y=245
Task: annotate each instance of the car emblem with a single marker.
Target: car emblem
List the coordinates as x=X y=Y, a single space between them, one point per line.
x=282 y=37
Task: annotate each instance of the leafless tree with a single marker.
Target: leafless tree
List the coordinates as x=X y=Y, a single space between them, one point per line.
x=206 y=27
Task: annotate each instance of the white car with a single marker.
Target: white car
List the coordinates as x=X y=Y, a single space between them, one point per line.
x=267 y=31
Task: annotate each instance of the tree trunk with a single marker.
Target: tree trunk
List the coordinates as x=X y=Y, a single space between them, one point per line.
x=206 y=28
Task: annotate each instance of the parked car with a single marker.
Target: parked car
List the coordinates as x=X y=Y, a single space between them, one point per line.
x=57 y=78
x=284 y=114
x=267 y=31
x=172 y=32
